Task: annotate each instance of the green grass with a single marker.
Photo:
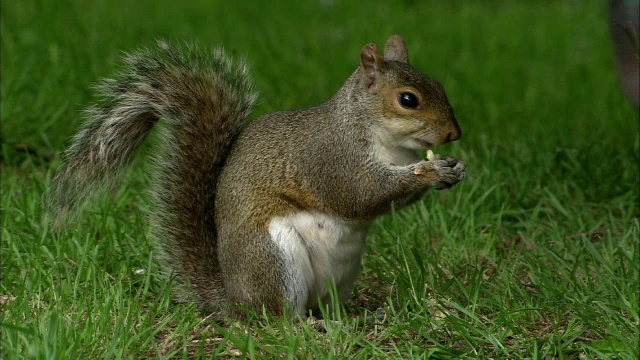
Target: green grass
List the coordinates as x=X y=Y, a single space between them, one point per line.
x=534 y=255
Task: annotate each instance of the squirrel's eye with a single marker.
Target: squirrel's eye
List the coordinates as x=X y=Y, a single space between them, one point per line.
x=408 y=100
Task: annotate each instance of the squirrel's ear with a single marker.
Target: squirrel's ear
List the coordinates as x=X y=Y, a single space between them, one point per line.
x=370 y=62
x=396 y=50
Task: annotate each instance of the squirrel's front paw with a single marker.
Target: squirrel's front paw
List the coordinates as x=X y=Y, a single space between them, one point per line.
x=441 y=174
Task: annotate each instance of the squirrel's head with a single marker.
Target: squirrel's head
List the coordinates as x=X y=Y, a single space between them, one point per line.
x=416 y=113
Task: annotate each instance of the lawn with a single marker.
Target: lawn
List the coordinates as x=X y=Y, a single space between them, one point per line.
x=534 y=255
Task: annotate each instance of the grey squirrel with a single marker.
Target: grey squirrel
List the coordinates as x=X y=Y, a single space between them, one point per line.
x=265 y=213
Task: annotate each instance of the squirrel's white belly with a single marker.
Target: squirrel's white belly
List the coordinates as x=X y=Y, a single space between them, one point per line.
x=318 y=249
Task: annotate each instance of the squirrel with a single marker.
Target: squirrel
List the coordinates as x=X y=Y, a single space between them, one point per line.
x=268 y=214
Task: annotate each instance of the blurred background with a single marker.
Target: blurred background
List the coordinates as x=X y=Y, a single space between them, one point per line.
x=624 y=17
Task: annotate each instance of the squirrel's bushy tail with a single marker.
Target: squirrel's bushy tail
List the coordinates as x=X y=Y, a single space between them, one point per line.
x=204 y=99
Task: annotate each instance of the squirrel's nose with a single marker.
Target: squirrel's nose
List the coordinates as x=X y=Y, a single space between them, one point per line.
x=454 y=134
x=454 y=129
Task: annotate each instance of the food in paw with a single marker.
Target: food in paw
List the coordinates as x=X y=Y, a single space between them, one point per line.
x=431 y=156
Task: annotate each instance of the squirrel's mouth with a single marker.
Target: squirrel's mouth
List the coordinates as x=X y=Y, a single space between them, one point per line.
x=419 y=144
